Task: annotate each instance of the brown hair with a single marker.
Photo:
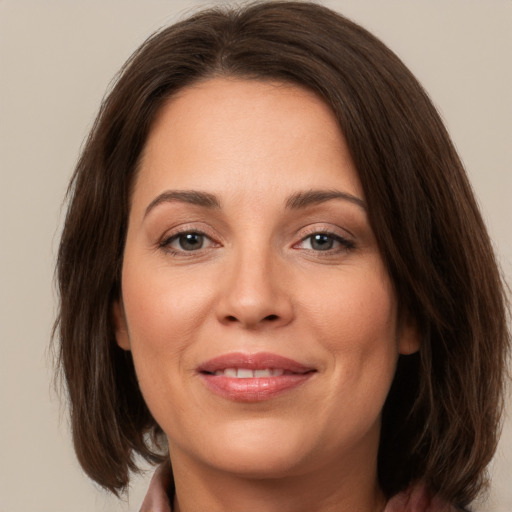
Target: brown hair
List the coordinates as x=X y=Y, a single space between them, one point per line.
x=441 y=419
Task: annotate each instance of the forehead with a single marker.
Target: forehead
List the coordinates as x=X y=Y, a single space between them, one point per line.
x=224 y=131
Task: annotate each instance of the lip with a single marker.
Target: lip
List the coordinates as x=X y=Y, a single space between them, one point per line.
x=253 y=389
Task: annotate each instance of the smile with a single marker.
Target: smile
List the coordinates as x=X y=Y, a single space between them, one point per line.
x=246 y=373
x=253 y=377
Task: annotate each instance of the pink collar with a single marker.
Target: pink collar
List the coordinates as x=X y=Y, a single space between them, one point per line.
x=415 y=499
x=418 y=499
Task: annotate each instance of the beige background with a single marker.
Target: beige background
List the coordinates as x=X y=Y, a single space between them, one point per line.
x=56 y=60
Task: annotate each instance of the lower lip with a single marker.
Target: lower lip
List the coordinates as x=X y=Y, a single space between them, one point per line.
x=253 y=389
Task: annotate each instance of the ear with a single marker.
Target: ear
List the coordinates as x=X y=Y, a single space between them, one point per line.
x=408 y=336
x=121 y=328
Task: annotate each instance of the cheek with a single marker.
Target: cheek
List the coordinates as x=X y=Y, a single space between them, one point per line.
x=162 y=305
x=357 y=322
x=360 y=306
x=165 y=313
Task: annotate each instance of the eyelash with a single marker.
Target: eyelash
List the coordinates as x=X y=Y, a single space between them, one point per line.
x=345 y=244
x=165 y=244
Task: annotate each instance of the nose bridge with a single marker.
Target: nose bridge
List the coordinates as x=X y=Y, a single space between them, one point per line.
x=253 y=293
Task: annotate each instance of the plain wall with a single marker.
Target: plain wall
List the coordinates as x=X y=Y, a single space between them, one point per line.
x=57 y=59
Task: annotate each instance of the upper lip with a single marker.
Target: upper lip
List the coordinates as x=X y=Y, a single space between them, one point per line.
x=258 y=361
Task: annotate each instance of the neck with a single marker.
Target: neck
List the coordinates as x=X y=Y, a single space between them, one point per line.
x=332 y=488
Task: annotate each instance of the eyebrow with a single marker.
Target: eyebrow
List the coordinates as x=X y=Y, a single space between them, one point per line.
x=313 y=197
x=194 y=197
x=296 y=201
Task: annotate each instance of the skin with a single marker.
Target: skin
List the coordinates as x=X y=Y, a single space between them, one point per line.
x=259 y=283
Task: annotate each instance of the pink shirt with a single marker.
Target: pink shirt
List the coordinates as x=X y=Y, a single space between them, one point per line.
x=415 y=499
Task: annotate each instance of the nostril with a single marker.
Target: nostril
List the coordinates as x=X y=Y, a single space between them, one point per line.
x=268 y=318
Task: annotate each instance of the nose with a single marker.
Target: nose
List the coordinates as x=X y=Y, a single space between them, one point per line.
x=254 y=293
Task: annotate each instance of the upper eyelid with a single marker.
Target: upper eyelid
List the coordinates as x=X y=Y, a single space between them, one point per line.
x=183 y=229
x=325 y=228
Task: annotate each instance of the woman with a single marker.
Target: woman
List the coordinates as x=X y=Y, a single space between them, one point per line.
x=274 y=275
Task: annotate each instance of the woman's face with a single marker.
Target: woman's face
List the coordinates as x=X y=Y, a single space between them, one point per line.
x=262 y=321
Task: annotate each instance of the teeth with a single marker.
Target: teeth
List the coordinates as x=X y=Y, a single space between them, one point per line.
x=245 y=373
x=262 y=373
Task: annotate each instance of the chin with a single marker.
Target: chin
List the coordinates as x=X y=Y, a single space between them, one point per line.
x=259 y=463
x=258 y=449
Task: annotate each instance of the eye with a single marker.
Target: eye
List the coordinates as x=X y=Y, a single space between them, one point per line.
x=320 y=242
x=325 y=242
x=188 y=241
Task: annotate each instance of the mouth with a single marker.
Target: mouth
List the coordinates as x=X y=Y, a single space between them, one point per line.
x=246 y=373
x=253 y=377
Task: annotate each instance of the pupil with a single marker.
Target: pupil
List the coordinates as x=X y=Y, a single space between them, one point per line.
x=322 y=242
x=191 y=241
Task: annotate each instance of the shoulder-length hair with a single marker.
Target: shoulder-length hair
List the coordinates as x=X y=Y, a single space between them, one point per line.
x=440 y=422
